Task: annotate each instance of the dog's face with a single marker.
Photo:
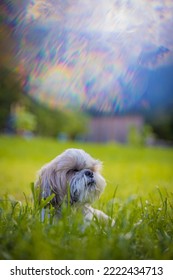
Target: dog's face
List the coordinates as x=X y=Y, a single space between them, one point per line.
x=85 y=186
x=74 y=169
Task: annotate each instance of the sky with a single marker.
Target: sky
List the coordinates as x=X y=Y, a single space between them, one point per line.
x=105 y=56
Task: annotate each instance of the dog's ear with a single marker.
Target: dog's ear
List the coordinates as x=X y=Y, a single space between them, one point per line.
x=42 y=184
x=49 y=181
x=97 y=166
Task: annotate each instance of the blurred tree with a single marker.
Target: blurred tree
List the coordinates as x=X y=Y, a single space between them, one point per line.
x=52 y=122
x=10 y=93
x=24 y=121
x=142 y=137
x=134 y=136
x=76 y=124
x=161 y=120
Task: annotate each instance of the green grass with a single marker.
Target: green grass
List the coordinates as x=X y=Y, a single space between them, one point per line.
x=139 y=196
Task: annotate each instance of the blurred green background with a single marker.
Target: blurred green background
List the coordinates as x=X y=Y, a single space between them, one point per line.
x=135 y=170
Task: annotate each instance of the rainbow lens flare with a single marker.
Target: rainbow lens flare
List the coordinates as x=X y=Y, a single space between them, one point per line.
x=91 y=54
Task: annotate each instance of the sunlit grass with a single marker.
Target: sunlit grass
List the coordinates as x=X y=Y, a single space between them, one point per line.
x=139 y=196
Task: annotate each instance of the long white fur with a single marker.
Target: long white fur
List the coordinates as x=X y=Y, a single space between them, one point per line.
x=68 y=170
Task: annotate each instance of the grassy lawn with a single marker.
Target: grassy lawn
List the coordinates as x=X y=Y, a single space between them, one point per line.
x=139 y=195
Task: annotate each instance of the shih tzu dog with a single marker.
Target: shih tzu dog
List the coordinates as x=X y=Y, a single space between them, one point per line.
x=76 y=173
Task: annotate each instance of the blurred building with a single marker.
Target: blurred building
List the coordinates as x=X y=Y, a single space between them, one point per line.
x=116 y=128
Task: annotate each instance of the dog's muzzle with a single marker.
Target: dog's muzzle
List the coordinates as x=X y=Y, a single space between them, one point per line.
x=82 y=186
x=90 y=181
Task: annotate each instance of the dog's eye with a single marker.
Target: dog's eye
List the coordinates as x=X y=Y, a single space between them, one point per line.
x=75 y=170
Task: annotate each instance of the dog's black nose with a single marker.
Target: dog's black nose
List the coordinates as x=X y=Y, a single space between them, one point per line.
x=89 y=173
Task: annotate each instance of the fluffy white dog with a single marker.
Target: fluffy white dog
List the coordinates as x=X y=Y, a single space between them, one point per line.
x=78 y=171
